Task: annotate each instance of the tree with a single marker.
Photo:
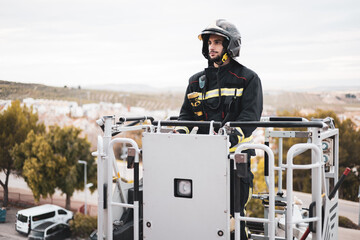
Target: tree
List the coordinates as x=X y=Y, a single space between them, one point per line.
x=49 y=161
x=15 y=123
x=349 y=157
x=67 y=143
x=40 y=167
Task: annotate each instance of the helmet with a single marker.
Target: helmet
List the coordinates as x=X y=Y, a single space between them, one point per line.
x=225 y=29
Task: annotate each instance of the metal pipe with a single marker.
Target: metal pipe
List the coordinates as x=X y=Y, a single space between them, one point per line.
x=271 y=220
x=100 y=181
x=253 y=219
x=136 y=220
x=108 y=177
x=188 y=123
x=266 y=161
x=129 y=119
x=237 y=226
x=122 y=204
x=306 y=166
x=136 y=181
x=305 y=220
x=279 y=119
x=211 y=128
x=280 y=164
x=316 y=124
x=289 y=185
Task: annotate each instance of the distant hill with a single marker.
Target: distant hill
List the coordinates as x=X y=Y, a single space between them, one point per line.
x=338 y=101
x=135 y=88
x=158 y=99
x=151 y=101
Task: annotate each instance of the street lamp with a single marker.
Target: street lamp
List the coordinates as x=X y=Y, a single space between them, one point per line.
x=85 y=182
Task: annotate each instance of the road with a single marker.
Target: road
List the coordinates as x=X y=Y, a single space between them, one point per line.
x=346 y=208
x=7 y=229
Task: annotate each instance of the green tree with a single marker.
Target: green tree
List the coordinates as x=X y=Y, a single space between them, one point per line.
x=49 y=161
x=349 y=153
x=15 y=123
x=40 y=167
x=66 y=142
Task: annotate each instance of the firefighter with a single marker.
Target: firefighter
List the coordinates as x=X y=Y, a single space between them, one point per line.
x=224 y=91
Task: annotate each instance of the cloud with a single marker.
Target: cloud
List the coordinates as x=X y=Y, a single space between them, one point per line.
x=77 y=42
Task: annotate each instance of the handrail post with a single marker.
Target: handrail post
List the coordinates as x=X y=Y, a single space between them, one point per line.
x=289 y=186
x=136 y=181
x=271 y=219
x=108 y=177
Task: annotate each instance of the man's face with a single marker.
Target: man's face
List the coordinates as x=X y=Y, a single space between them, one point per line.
x=216 y=48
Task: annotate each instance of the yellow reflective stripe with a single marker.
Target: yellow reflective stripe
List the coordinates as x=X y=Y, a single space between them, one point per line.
x=240 y=131
x=248 y=139
x=212 y=93
x=249 y=197
x=231 y=91
x=224 y=92
x=244 y=140
x=183 y=128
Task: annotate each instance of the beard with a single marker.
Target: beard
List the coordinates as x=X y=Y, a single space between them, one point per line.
x=216 y=59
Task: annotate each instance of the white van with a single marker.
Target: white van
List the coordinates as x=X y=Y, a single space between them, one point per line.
x=27 y=219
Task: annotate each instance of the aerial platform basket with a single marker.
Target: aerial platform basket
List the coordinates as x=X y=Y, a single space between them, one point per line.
x=184 y=192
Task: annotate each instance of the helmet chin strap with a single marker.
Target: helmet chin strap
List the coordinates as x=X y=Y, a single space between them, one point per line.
x=224 y=58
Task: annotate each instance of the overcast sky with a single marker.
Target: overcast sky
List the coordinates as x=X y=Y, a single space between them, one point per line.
x=290 y=44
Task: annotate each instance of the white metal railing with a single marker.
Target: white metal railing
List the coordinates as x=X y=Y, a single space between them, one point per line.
x=271 y=217
x=106 y=166
x=100 y=174
x=316 y=179
x=135 y=206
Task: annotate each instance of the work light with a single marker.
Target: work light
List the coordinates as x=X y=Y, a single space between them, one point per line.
x=183 y=188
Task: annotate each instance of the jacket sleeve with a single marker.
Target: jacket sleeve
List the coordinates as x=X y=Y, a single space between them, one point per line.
x=250 y=109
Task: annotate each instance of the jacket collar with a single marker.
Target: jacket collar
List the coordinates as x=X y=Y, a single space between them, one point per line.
x=226 y=67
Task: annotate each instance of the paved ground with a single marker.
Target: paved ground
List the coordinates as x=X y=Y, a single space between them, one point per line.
x=7 y=229
x=347 y=209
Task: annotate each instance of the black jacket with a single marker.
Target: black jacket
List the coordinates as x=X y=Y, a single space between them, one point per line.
x=241 y=98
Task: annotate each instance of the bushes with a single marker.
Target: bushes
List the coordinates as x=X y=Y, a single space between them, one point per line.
x=82 y=225
x=347 y=223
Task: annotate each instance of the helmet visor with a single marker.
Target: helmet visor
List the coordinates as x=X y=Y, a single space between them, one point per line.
x=209 y=32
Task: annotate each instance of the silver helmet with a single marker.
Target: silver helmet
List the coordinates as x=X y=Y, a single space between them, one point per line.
x=225 y=29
